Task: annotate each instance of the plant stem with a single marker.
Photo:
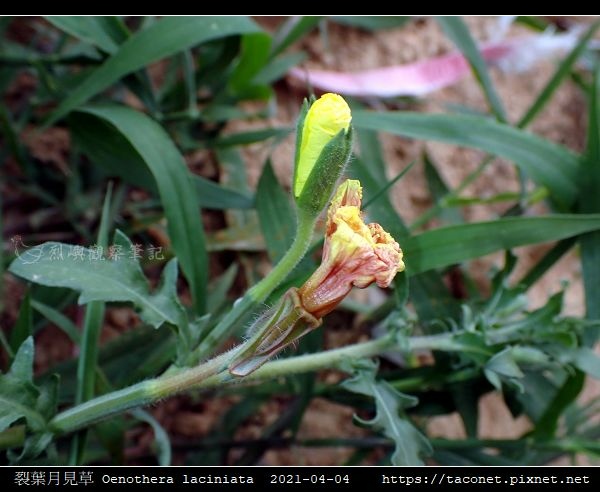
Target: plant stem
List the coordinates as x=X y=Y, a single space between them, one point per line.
x=214 y=373
x=246 y=305
x=211 y=373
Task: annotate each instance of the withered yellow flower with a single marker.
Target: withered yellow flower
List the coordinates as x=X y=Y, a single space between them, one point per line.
x=355 y=254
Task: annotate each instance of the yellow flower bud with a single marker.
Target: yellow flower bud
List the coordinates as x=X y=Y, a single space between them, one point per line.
x=327 y=116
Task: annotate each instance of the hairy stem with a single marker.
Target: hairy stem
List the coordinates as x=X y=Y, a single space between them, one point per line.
x=247 y=305
x=214 y=373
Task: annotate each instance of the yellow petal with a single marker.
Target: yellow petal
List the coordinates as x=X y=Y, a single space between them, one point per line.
x=327 y=116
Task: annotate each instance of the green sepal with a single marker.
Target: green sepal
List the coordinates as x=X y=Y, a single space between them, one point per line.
x=276 y=329
x=330 y=165
x=299 y=129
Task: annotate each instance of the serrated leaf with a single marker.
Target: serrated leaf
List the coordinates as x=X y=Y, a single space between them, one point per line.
x=33 y=447
x=390 y=417
x=584 y=359
x=504 y=366
x=118 y=279
x=20 y=398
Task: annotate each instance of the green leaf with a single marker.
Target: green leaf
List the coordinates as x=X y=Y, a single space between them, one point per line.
x=118 y=279
x=590 y=202
x=2 y=260
x=371 y=153
x=563 y=70
x=428 y=291
x=109 y=149
x=466 y=399
x=19 y=398
x=291 y=31
x=503 y=366
x=546 y=163
x=250 y=137
x=33 y=447
x=24 y=325
x=447 y=246
x=255 y=50
x=275 y=213
x=217 y=295
x=584 y=359
x=176 y=190
x=371 y=22
x=390 y=417
x=91 y=29
x=277 y=68
x=166 y=37
x=92 y=326
x=58 y=319
x=214 y=196
x=548 y=422
x=439 y=191
x=458 y=32
x=161 y=438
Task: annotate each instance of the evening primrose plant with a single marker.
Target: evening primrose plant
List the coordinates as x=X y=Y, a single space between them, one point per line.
x=129 y=222
x=354 y=254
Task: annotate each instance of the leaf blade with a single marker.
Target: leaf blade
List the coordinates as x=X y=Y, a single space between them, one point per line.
x=97 y=279
x=458 y=32
x=162 y=39
x=547 y=163
x=449 y=245
x=275 y=213
x=176 y=190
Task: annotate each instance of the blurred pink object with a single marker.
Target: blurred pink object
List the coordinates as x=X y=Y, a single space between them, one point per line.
x=423 y=77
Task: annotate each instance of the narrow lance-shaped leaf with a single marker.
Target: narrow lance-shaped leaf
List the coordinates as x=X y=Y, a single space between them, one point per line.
x=548 y=164
x=275 y=212
x=458 y=32
x=166 y=37
x=447 y=246
x=590 y=202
